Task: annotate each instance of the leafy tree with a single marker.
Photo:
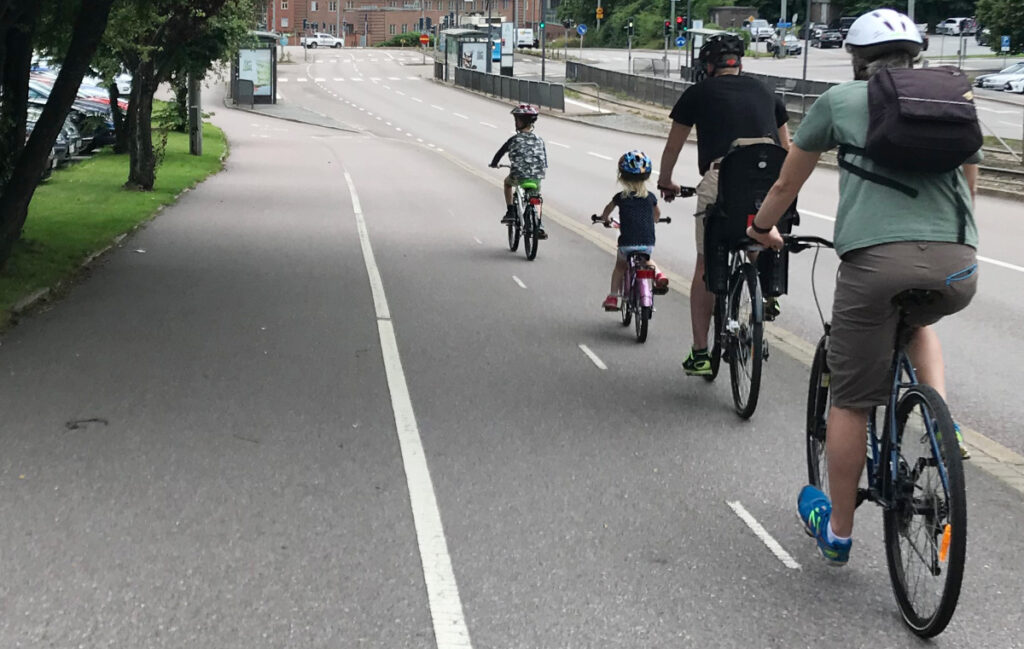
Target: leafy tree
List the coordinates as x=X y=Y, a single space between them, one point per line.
x=1003 y=17
x=24 y=162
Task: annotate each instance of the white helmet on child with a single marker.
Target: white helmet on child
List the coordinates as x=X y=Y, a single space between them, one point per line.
x=883 y=30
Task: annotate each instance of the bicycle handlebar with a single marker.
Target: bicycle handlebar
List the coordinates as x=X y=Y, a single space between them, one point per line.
x=594 y=218
x=684 y=192
x=797 y=243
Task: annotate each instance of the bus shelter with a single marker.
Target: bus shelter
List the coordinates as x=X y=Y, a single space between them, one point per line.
x=255 y=65
x=462 y=48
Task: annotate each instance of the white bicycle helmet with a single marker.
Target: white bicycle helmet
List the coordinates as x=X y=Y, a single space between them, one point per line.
x=881 y=31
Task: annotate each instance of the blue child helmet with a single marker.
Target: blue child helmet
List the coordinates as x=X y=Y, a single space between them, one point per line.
x=635 y=165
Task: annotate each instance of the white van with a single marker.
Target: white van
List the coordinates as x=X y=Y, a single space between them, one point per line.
x=524 y=38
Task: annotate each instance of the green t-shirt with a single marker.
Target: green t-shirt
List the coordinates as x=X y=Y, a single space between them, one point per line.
x=870 y=213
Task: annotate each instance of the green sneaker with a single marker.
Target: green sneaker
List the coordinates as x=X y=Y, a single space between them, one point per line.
x=772 y=308
x=964 y=453
x=698 y=363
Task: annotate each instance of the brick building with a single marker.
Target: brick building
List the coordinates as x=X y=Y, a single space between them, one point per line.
x=373 y=21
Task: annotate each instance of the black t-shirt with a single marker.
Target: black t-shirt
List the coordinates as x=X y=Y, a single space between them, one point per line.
x=636 y=219
x=726 y=108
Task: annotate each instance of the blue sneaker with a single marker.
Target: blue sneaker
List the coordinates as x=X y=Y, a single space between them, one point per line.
x=815 y=511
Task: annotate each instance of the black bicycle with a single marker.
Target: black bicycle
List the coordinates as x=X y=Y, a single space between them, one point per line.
x=528 y=202
x=914 y=472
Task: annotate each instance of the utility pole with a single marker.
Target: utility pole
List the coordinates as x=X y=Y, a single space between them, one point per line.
x=910 y=10
x=629 y=47
x=195 y=116
x=337 y=20
x=690 y=37
x=424 y=30
x=671 y=17
x=490 y=41
x=273 y=7
x=599 y=14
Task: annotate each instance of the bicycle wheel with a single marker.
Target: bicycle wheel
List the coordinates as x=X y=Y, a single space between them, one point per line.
x=718 y=322
x=818 y=403
x=745 y=339
x=530 y=232
x=643 y=318
x=515 y=229
x=926 y=523
x=626 y=303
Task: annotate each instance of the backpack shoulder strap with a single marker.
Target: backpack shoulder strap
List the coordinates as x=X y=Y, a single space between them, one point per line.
x=848 y=149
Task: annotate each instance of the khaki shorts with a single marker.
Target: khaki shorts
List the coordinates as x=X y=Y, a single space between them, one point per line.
x=864 y=318
x=707 y=194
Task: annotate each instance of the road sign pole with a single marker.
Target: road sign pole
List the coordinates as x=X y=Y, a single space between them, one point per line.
x=581 y=45
x=599 y=14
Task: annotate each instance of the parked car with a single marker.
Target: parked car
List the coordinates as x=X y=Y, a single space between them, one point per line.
x=1015 y=85
x=816 y=29
x=827 y=38
x=955 y=26
x=843 y=25
x=922 y=28
x=999 y=79
x=320 y=40
x=792 y=45
x=760 y=30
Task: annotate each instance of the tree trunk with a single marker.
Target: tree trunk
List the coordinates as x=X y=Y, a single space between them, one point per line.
x=120 y=124
x=180 y=84
x=142 y=162
x=14 y=73
x=88 y=30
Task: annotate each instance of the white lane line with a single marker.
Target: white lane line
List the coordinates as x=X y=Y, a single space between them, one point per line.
x=446 y=612
x=598 y=155
x=999 y=112
x=518 y=281
x=413 y=78
x=987 y=260
x=388 y=123
x=283 y=80
x=763 y=534
x=420 y=140
x=477 y=239
x=460 y=115
x=319 y=80
x=564 y=146
x=430 y=144
x=408 y=133
x=379 y=118
x=398 y=128
x=339 y=78
x=587 y=106
x=386 y=87
x=488 y=125
x=1008 y=123
x=593 y=357
x=394 y=78
x=417 y=99
x=356 y=78
x=375 y=79
x=1002 y=264
x=436 y=107
x=400 y=93
x=302 y=79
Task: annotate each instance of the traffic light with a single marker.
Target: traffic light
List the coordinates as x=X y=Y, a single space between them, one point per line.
x=629 y=27
x=600 y=13
x=305 y=24
x=680 y=25
x=542 y=25
x=668 y=28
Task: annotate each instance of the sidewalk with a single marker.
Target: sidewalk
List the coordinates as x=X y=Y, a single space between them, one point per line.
x=293 y=113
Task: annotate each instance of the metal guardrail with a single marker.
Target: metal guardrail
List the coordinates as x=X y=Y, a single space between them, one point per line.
x=524 y=91
x=663 y=92
x=651 y=67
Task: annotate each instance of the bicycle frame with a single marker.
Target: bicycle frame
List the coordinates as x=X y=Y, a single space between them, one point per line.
x=638 y=282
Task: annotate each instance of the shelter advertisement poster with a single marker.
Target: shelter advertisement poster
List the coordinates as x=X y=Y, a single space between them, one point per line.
x=474 y=56
x=256 y=65
x=508 y=39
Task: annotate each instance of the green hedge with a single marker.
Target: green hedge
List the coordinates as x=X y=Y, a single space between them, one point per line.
x=408 y=39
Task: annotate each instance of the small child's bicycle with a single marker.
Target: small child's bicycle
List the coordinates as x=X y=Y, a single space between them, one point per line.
x=528 y=203
x=637 y=287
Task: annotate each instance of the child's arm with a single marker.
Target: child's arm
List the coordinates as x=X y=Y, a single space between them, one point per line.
x=657 y=213
x=606 y=214
x=501 y=152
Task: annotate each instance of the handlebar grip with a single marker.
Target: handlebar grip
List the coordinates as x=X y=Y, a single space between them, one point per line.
x=686 y=192
x=665 y=219
x=594 y=218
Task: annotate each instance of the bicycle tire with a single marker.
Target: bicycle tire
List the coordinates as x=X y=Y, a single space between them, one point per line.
x=530 y=232
x=746 y=346
x=818 y=402
x=909 y=499
x=626 y=306
x=515 y=229
x=718 y=322
x=643 y=319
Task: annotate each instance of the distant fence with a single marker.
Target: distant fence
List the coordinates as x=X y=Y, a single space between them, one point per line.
x=524 y=91
x=651 y=67
x=663 y=92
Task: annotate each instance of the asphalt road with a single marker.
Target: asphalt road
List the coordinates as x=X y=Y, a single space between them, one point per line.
x=270 y=412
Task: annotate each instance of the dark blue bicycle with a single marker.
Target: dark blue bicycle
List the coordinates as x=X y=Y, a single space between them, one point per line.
x=914 y=472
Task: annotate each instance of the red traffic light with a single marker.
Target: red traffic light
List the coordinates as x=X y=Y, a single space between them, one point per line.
x=668 y=24
x=679 y=20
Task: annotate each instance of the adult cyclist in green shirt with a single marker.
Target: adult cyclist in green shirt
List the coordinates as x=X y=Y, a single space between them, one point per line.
x=888 y=242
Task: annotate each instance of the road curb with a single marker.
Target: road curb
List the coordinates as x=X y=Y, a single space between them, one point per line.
x=293 y=120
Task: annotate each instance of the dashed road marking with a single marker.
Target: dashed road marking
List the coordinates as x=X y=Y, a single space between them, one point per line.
x=592 y=356
x=460 y=115
x=356 y=78
x=436 y=107
x=518 y=281
x=395 y=78
x=400 y=93
x=598 y=155
x=319 y=80
x=339 y=78
x=564 y=146
x=302 y=79
x=761 y=533
x=488 y=125
x=477 y=239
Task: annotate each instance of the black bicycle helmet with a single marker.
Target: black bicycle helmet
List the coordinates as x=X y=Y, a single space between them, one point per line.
x=722 y=51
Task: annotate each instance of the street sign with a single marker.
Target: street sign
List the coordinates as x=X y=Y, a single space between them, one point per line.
x=782 y=25
x=1004 y=45
x=581 y=29
x=284 y=41
x=424 y=39
x=681 y=41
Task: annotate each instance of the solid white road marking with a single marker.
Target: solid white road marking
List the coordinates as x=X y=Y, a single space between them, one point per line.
x=598 y=155
x=564 y=146
x=587 y=106
x=460 y=115
x=987 y=260
x=763 y=534
x=450 y=630
x=518 y=281
x=488 y=125
x=592 y=356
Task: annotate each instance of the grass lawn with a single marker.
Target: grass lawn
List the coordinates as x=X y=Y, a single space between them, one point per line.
x=83 y=207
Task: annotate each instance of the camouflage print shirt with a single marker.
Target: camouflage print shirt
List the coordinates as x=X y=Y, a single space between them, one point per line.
x=527 y=155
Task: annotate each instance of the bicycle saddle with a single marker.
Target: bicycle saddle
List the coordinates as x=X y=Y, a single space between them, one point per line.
x=912 y=297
